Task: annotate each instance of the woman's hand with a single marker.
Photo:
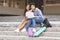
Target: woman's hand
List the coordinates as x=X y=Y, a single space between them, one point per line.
x=37 y=16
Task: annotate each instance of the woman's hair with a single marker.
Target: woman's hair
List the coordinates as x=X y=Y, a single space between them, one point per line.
x=29 y=7
x=26 y=9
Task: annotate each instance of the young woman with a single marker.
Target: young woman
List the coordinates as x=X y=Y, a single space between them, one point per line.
x=28 y=20
x=24 y=21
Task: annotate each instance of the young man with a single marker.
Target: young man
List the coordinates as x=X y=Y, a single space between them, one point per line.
x=38 y=17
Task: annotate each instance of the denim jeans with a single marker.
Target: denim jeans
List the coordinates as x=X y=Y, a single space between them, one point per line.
x=33 y=22
x=36 y=20
x=28 y=24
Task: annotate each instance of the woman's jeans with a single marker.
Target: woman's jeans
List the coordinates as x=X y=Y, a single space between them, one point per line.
x=33 y=22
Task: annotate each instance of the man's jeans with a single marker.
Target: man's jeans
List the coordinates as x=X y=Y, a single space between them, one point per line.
x=33 y=22
x=36 y=20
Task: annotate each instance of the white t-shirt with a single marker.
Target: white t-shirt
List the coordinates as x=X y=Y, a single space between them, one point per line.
x=30 y=14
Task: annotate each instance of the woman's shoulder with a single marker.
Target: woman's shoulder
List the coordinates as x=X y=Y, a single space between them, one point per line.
x=28 y=11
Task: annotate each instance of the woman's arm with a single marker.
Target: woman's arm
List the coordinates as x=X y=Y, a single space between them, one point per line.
x=29 y=14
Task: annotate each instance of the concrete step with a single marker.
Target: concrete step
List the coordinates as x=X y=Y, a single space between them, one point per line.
x=52 y=29
x=53 y=17
x=12 y=33
x=11 y=18
x=19 y=18
x=15 y=24
x=6 y=37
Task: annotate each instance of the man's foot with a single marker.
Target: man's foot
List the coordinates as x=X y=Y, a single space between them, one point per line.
x=23 y=30
x=17 y=30
x=34 y=30
x=42 y=24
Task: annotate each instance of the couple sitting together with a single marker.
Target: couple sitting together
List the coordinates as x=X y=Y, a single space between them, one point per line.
x=32 y=16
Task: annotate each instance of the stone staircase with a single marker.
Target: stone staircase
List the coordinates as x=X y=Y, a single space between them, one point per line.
x=7 y=31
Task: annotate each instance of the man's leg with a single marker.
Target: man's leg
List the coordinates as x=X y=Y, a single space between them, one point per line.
x=39 y=20
x=34 y=23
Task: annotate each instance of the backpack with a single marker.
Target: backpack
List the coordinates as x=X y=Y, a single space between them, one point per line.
x=46 y=23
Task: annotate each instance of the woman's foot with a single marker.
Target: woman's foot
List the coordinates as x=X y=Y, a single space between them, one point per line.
x=34 y=30
x=23 y=30
x=17 y=30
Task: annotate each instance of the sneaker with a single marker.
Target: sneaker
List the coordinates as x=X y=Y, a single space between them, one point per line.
x=34 y=30
x=23 y=30
x=42 y=24
x=17 y=30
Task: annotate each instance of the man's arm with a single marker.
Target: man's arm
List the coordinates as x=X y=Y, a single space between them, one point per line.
x=40 y=12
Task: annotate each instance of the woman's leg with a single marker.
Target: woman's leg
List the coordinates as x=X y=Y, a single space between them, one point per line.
x=21 y=26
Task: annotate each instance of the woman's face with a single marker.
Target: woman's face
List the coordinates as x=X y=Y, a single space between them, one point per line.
x=32 y=7
x=28 y=7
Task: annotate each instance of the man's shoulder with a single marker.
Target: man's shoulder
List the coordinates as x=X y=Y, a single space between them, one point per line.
x=38 y=9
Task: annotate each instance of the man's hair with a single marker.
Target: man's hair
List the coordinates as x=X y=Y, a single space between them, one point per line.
x=33 y=4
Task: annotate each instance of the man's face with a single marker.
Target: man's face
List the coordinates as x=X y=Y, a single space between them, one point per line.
x=32 y=7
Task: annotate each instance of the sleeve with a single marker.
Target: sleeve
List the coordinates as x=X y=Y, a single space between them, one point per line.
x=40 y=12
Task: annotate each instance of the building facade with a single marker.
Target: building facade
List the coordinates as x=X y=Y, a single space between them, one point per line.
x=13 y=3
x=47 y=6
